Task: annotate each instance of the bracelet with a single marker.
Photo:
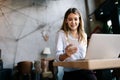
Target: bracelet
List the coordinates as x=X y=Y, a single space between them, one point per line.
x=66 y=54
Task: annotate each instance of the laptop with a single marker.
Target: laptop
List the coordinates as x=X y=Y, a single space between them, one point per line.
x=103 y=46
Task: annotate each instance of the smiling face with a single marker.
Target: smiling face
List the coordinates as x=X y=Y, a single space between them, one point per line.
x=73 y=21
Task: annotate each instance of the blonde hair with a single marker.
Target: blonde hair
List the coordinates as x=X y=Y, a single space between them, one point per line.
x=81 y=32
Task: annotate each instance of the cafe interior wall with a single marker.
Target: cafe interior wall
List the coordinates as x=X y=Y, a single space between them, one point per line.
x=95 y=26
x=28 y=26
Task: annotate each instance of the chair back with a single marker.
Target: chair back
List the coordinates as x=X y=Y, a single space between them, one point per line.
x=25 y=67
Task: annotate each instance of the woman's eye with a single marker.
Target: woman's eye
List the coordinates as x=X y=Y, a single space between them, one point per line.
x=70 y=19
x=76 y=19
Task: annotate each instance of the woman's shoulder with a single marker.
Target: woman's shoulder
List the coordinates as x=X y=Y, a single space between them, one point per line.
x=85 y=35
x=61 y=32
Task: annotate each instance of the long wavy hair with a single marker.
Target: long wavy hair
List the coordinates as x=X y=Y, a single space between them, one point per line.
x=80 y=29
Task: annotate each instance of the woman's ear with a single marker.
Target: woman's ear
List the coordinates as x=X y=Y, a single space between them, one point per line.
x=66 y=21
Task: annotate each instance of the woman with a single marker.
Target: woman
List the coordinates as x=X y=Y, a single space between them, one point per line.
x=72 y=44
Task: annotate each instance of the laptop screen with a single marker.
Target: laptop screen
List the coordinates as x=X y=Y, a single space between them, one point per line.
x=103 y=46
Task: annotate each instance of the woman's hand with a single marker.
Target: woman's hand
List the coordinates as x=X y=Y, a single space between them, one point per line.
x=70 y=49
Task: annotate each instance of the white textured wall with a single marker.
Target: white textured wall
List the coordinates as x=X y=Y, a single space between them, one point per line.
x=22 y=23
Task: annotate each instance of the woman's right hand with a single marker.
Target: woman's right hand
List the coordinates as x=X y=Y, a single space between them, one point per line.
x=70 y=49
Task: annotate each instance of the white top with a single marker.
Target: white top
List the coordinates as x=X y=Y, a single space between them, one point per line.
x=63 y=41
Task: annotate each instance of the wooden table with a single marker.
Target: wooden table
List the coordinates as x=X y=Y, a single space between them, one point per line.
x=92 y=64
